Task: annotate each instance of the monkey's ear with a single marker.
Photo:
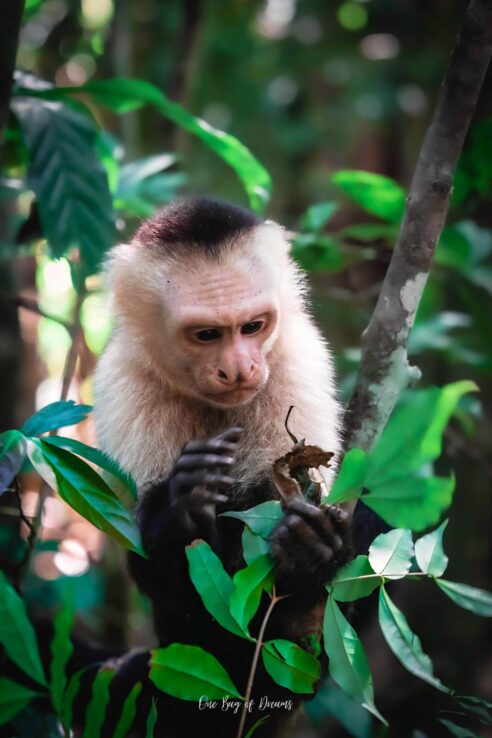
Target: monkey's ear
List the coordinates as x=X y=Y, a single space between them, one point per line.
x=118 y=270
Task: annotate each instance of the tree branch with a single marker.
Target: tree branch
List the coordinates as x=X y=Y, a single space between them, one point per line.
x=10 y=20
x=385 y=370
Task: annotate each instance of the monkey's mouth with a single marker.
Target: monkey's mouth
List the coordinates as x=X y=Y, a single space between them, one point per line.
x=237 y=396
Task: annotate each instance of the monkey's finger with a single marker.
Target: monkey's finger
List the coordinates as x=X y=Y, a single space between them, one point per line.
x=184 y=482
x=317 y=518
x=337 y=514
x=212 y=445
x=205 y=461
x=201 y=497
x=233 y=435
x=310 y=546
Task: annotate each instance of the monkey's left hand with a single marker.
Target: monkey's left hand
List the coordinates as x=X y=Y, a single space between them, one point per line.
x=308 y=544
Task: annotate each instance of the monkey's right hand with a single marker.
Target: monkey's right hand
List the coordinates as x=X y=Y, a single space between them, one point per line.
x=199 y=480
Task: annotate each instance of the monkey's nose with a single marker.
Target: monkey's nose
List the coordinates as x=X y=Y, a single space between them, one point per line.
x=236 y=375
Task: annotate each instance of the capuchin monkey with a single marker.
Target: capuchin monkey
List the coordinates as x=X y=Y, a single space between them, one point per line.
x=213 y=342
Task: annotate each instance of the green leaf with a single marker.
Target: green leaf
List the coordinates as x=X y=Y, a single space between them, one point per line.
x=70 y=184
x=84 y=490
x=369 y=232
x=96 y=709
x=253 y=545
x=331 y=700
x=151 y=721
x=404 y=643
x=482 y=709
x=71 y=692
x=413 y=435
x=413 y=502
x=249 y=583
x=12 y=455
x=61 y=650
x=291 y=666
x=348 y=664
x=128 y=713
x=124 y=95
x=17 y=634
x=348 y=591
x=457 y=730
x=317 y=216
x=375 y=193
x=477 y=600
x=213 y=584
x=319 y=253
x=351 y=477
x=120 y=483
x=391 y=554
x=261 y=519
x=189 y=672
x=454 y=250
x=13 y=698
x=56 y=415
x=257 y=725
x=430 y=554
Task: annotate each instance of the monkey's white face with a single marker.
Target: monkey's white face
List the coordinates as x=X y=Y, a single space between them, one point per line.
x=221 y=321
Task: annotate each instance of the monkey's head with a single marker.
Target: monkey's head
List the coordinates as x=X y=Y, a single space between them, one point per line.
x=201 y=292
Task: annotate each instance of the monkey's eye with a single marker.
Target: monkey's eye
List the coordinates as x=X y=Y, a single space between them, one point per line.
x=209 y=334
x=253 y=327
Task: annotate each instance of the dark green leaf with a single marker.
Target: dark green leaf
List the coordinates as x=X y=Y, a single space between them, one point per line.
x=17 y=634
x=249 y=583
x=291 y=666
x=375 y=193
x=430 y=553
x=61 y=650
x=477 y=600
x=318 y=253
x=257 y=725
x=128 y=713
x=454 y=250
x=84 y=490
x=346 y=587
x=351 y=477
x=69 y=696
x=213 y=584
x=369 y=232
x=117 y=480
x=347 y=661
x=404 y=643
x=391 y=554
x=189 y=672
x=96 y=709
x=261 y=519
x=70 y=185
x=151 y=721
x=253 y=545
x=457 y=730
x=56 y=415
x=331 y=700
x=12 y=455
x=13 y=698
x=317 y=216
x=482 y=709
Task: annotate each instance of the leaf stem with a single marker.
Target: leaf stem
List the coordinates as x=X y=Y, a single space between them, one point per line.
x=382 y=576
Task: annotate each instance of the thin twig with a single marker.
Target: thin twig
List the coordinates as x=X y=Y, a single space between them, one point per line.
x=71 y=361
x=27 y=303
x=385 y=370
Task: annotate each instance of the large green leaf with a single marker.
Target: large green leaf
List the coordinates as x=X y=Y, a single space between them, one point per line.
x=128 y=712
x=351 y=477
x=249 y=583
x=375 y=193
x=96 y=709
x=13 y=698
x=317 y=216
x=404 y=643
x=458 y=730
x=12 y=455
x=117 y=480
x=69 y=697
x=331 y=700
x=391 y=554
x=189 y=672
x=477 y=600
x=347 y=661
x=290 y=665
x=213 y=584
x=61 y=650
x=347 y=587
x=84 y=490
x=261 y=519
x=17 y=634
x=253 y=545
x=430 y=553
x=124 y=95
x=69 y=183
x=55 y=415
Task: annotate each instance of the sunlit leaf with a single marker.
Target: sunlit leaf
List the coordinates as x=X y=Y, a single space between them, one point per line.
x=477 y=600
x=55 y=415
x=348 y=664
x=253 y=545
x=391 y=554
x=404 y=643
x=96 y=709
x=375 y=193
x=189 y=672
x=13 y=698
x=261 y=519
x=128 y=713
x=351 y=477
x=346 y=587
x=430 y=554
x=12 y=455
x=213 y=584
x=17 y=634
x=61 y=650
x=249 y=583
x=290 y=665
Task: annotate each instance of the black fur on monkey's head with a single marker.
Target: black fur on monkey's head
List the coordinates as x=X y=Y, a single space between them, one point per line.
x=197 y=224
